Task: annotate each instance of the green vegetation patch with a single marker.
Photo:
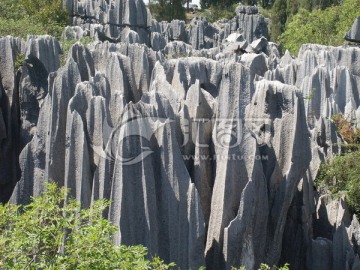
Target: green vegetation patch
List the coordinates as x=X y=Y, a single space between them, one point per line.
x=167 y=10
x=216 y=12
x=54 y=232
x=20 y=18
x=342 y=174
x=326 y=27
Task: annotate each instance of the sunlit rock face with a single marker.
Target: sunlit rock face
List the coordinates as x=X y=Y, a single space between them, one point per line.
x=206 y=140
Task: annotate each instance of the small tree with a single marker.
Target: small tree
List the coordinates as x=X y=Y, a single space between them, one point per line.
x=50 y=13
x=278 y=18
x=167 y=10
x=55 y=233
x=25 y=17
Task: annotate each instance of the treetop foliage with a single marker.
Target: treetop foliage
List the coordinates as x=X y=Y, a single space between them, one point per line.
x=167 y=10
x=23 y=17
x=321 y=26
x=53 y=232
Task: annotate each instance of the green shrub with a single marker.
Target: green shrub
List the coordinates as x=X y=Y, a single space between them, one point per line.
x=23 y=17
x=166 y=10
x=326 y=27
x=11 y=9
x=342 y=176
x=53 y=232
x=20 y=28
x=215 y=13
x=19 y=61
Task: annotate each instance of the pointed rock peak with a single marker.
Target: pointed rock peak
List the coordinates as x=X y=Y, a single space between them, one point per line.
x=196 y=102
x=83 y=58
x=354 y=33
x=194 y=92
x=160 y=102
x=286 y=59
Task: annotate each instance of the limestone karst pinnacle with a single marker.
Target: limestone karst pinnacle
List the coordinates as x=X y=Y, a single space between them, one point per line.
x=202 y=137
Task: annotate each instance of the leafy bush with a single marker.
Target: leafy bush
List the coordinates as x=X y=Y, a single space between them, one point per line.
x=326 y=27
x=23 y=17
x=20 y=28
x=19 y=61
x=11 y=9
x=216 y=12
x=342 y=176
x=55 y=233
x=165 y=10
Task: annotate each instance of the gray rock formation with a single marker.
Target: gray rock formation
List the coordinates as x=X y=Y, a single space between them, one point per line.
x=250 y=22
x=206 y=140
x=177 y=49
x=269 y=96
x=115 y=16
x=321 y=254
x=354 y=32
x=259 y=45
x=46 y=49
x=24 y=69
x=33 y=87
x=10 y=49
x=201 y=34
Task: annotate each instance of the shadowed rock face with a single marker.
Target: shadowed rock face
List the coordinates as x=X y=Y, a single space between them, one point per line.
x=354 y=33
x=207 y=144
x=10 y=48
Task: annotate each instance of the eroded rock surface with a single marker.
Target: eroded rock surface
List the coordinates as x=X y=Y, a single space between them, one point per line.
x=354 y=33
x=205 y=139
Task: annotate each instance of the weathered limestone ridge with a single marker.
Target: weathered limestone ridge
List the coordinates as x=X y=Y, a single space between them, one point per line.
x=206 y=140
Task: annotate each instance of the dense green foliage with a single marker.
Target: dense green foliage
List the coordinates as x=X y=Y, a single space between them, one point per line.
x=216 y=12
x=326 y=27
x=227 y=3
x=23 y=17
x=278 y=18
x=55 y=233
x=11 y=9
x=222 y=3
x=342 y=174
x=167 y=10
